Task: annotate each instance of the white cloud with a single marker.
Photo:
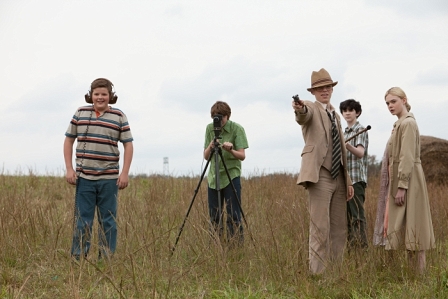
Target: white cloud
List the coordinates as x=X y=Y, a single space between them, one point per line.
x=171 y=60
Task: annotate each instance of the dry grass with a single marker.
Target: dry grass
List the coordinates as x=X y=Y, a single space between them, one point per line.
x=36 y=215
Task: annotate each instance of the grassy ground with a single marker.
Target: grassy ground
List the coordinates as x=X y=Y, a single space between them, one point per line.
x=36 y=218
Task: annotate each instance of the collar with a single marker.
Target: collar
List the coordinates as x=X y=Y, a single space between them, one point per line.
x=326 y=106
x=227 y=126
x=353 y=128
x=98 y=114
x=399 y=121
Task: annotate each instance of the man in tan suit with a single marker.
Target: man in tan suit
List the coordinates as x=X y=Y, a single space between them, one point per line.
x=324 y=173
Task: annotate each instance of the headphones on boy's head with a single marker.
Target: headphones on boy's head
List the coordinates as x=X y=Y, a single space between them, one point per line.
x=102 y=82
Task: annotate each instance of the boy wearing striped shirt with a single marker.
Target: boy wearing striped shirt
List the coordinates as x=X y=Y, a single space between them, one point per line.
x=98 y=128
x=357 y=168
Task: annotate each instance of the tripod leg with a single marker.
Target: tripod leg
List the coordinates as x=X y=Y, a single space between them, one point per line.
x=191 y=203
x=234 y=190
x=218 y=191
x=235 y=193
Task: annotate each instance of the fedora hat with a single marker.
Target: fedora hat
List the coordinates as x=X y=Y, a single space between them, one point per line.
x=321 y=78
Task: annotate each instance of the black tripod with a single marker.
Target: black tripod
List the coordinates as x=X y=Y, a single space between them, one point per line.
x=216 y=153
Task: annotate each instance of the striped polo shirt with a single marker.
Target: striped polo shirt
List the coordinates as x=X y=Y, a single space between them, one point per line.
x=97 y=153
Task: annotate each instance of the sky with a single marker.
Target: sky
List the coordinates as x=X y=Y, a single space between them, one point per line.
x=170 y=61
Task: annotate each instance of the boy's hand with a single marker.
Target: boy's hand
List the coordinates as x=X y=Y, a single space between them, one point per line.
x=351 y=193
x=70 y=177
x=297 y=104
x=228 y=146
x=123 y=181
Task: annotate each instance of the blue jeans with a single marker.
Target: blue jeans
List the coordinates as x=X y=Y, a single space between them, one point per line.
x=102 y=196
x=232 y=205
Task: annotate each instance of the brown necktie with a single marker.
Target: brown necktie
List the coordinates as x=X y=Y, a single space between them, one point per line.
x=336 y=154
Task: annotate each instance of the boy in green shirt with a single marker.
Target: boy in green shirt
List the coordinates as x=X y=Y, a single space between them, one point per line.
x=233 y=142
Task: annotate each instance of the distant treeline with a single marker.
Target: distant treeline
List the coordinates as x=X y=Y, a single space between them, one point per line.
x=374 y=168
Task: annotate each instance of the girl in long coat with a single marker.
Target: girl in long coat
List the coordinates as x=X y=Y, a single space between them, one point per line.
x=408 y=216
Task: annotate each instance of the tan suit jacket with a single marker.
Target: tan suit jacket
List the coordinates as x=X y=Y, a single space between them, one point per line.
x=316 y=131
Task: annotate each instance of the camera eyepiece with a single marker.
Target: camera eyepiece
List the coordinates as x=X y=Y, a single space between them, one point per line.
x=217 y=119
x=217 y=123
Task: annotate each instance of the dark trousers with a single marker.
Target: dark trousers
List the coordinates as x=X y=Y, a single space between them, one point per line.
x=356 y=217
x=229 y=203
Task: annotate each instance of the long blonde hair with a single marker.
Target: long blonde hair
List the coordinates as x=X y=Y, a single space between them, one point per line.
x=397 y=91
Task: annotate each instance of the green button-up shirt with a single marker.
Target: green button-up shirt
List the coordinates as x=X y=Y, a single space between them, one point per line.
x=231 y=132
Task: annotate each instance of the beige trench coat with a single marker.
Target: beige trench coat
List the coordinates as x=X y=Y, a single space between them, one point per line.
x=412 y=221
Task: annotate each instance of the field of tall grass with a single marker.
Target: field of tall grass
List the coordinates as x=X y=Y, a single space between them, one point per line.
x=36 y=219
